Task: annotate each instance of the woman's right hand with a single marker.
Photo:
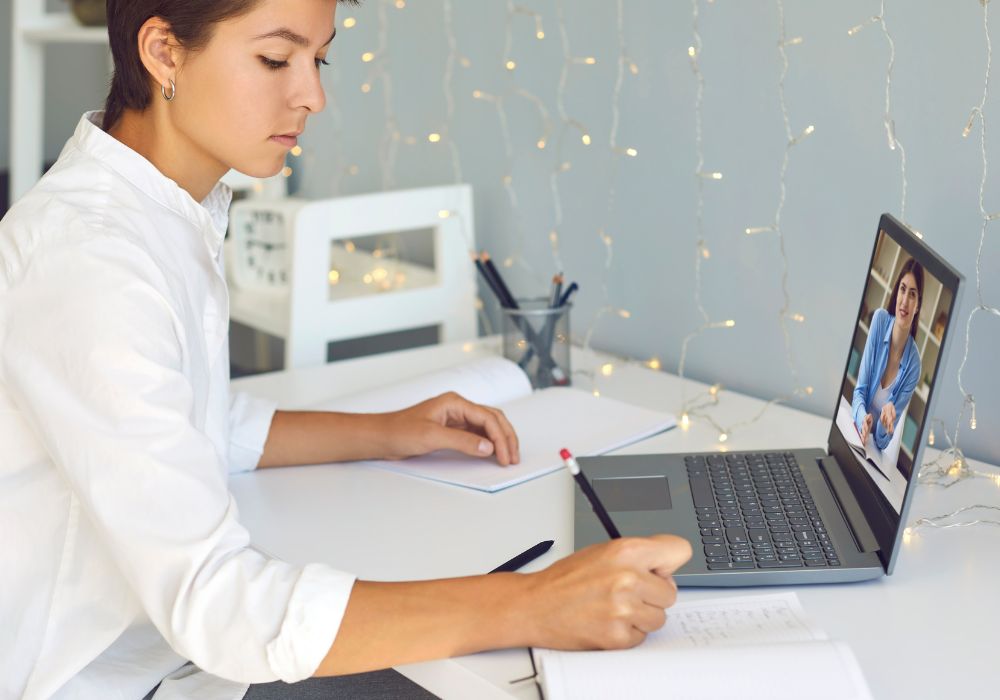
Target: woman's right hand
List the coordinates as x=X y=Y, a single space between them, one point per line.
x=866 y=428
x=607 y=596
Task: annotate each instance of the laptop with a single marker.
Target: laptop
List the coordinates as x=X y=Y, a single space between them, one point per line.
x=823 y=515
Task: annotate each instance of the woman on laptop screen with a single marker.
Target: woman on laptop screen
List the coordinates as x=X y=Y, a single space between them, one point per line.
x=890 y=365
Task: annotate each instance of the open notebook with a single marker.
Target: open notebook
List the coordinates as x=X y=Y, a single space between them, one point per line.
x=545 y=421
x=753 y=648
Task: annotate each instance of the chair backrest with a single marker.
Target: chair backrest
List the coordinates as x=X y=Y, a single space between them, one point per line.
x=444 y=296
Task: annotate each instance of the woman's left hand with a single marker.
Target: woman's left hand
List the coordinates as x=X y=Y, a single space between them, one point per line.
x=450 y=421
x=888 y=417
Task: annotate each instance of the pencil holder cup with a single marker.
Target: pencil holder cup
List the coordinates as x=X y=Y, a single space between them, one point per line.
x=536 y=337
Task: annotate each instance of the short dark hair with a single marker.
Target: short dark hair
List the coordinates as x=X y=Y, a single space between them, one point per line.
x=192 y=23
x=914 y=268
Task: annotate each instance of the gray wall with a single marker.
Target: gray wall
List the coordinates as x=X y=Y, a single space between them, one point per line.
x=839 y=181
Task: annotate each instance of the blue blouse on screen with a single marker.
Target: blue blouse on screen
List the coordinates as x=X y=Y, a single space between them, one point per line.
x=873 y=363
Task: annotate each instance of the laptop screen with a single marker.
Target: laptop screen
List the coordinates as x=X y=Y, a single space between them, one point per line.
x=892 y=367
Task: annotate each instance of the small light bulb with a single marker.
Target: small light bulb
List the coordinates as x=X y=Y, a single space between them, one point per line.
x=334 y=276
x=730 y=323
x=907 y=535
x=349 y=22
x=809 y=391
x=624 y=313
x=653 y=363
x=590 y=60
x=799 y=318
x=607 y=369
x=467 y=347
x=691 y=51
x=434 y=137
x=367 y=57
x=586 y=139
x=968 y=125
x=296 y=151
x=633 y=68
x=723 y=437
x=400 y=4
x=631 y=152
x=286 y=171
x=930 y=438
x=685 y=421
x=541 y=144
x=366 y=88
x=597 y=393
x=539 y=34
x=444 y=214
x=511 y=65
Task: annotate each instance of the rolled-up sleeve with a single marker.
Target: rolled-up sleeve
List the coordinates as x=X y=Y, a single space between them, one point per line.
x=249 y=423
x=94 y=355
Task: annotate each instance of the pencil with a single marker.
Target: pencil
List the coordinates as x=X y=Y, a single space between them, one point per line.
x=588 y=491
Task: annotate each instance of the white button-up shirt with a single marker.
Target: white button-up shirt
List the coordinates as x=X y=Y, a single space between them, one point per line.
x=123 y=554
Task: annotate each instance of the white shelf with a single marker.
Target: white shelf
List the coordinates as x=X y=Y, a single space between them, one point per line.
x=32 y=30
x=62 y=28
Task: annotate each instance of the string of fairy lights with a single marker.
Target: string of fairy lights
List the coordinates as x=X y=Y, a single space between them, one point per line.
x=605 y=306
x=702 y=253
x=560 y=130
x=950 y=466
x=888 y=122
x=698 y=405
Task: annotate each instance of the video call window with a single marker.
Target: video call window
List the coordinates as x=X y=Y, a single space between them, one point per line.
x=891 y=381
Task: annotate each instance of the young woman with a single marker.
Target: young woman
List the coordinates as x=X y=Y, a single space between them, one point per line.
x=124 y=555
x=890 y=364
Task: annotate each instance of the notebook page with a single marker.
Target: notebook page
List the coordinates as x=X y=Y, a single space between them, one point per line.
x=545 y=422
x=490 y=380
x=758 y=619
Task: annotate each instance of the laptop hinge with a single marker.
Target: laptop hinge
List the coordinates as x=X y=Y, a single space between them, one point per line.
x=864 y=538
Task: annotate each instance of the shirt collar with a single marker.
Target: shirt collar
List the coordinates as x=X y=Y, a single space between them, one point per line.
x=888 y=329
x=211 y=215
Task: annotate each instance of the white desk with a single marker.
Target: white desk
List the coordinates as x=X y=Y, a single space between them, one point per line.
x=928 y=631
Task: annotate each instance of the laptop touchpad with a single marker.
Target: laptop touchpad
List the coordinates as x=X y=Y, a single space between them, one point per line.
x=634 y=492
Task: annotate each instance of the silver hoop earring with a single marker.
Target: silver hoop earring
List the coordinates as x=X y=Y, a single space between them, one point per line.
x=173 y=90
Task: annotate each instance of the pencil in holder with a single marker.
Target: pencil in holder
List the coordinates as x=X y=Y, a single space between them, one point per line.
x=536 y=337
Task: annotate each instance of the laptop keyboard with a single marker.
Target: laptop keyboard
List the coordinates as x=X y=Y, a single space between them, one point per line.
x=755 y=512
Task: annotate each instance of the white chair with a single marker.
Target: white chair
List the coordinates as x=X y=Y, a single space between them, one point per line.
x=314 y=311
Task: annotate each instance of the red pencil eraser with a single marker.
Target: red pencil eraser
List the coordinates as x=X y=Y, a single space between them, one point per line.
x=565 y=454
